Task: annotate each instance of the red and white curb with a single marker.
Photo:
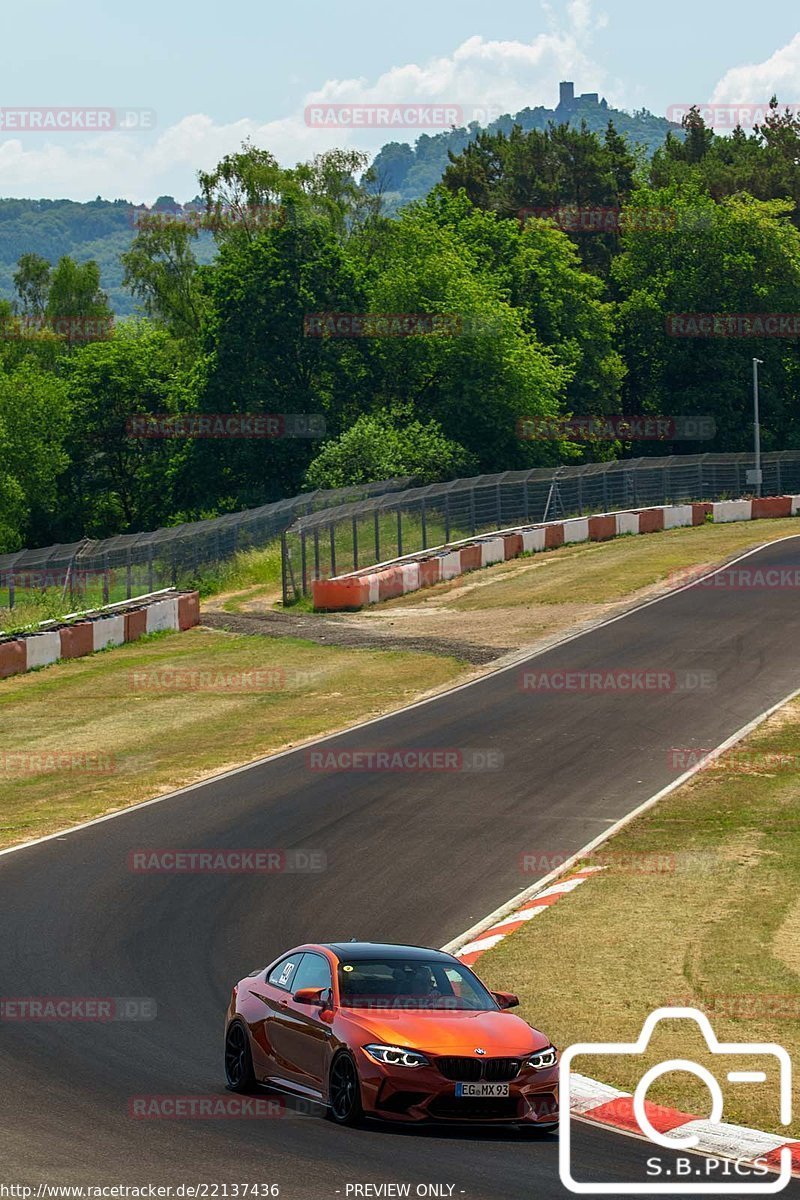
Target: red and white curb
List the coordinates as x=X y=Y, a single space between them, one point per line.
x=545 y=899
x=605 y=1105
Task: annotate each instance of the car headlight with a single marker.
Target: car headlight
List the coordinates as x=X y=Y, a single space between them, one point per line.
x=542 y=1059
x=396 y=1056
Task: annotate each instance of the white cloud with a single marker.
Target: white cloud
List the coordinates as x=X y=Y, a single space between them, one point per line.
x=485 y=78
x=754 y=83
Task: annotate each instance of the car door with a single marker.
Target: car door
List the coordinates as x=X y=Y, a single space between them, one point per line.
x=270 y=1032
x=304 y=1030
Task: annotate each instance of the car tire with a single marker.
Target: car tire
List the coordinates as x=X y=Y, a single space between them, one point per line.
x=239 y=1073
x=344 y=1091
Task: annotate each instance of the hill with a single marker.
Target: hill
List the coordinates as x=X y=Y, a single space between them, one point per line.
x=103 y=229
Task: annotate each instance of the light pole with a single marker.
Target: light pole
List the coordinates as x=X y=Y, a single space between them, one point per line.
x=756 y=424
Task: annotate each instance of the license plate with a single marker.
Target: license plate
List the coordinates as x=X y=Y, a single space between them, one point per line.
x=481 y=1089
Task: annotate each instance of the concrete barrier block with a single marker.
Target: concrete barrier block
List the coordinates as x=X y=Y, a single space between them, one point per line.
x=13 y=657
x=374 y=588
x=678 y=516
x=512 y=543
x=771 y=506
x=390 y=583
x=651 y=520
x=795 y=505
x=627 y=522
x=732 y=510
x=430 y=571
x=42 y=649
x=188 y=610
x=77 y=640
x=493 y=550
x=553 y=536
x=471 y=557
x=135 y=624
x=108 y=631
x=533 y=540
x=700 y=512
x=602 y=529
x=451 y=564
x=163 y=614
x=340 y=595
x=410 y=573
x=576 y=530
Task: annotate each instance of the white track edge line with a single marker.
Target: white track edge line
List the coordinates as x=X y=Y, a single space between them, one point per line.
x=534 y=889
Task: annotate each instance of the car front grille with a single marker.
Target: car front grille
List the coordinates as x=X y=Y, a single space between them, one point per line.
x=488 y=1108
x=470 y=1070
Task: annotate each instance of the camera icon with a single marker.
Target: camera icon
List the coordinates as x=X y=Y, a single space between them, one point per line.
x=677 y=1141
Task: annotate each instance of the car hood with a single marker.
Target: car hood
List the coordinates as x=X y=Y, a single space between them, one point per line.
x=500 y=1034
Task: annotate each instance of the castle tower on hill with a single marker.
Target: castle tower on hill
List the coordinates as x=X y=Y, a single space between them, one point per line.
x=567 y=99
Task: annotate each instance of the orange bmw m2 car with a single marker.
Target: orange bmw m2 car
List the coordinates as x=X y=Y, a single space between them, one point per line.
x=394 y=1032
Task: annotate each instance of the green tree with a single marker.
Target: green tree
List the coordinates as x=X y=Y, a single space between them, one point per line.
x=377 y=447
x=741 y=256
x=117 y=481
x=34 y=418
x=32 y=283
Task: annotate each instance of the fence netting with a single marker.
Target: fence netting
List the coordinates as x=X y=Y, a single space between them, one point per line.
x=133 y=564
x=362 y=533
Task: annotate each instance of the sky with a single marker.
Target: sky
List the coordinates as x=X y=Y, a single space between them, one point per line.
x=199 y=77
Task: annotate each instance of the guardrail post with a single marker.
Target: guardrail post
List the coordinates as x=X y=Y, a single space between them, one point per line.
x=128 y=580
x=303 y=562
x=11 y=589
x=284 y=570
x=399 y=534
x=424 y=527
x=106 y=574
x=447 y=516
x=377 y=538
x=150 y=587
x=333 y=550
x=355 y=543
x=472 y=510
x=316 y=552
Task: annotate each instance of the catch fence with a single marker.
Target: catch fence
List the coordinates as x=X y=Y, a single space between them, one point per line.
x=360 y=534
x=133 y=564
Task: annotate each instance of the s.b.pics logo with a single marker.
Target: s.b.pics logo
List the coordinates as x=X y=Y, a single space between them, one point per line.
x=760 y=1064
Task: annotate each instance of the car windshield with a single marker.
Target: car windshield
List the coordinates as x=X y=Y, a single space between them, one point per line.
x=411 y=983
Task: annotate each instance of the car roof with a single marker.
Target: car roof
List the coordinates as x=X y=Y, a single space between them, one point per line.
x=364 y=951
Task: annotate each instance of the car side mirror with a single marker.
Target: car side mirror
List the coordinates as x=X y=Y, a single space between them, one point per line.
x=506 y=999
x=314 y=996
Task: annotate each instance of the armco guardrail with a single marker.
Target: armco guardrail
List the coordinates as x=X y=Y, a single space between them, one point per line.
x=85 y=633
x=409 y=574
x=325 y=544
x=131 y=564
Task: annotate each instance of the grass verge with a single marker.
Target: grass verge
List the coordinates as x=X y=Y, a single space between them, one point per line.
x=156 y=714
x=698 y=904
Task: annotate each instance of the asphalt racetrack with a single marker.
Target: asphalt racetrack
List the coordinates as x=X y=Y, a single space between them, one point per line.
x=416 y=856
